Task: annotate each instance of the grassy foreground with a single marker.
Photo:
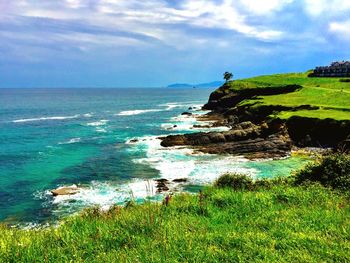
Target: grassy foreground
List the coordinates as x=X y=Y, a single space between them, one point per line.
x=279 y=223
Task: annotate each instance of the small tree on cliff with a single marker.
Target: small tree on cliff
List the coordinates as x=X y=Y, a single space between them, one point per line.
x=228 y=76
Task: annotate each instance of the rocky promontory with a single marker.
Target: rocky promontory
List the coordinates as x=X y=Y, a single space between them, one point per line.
x=256 y=131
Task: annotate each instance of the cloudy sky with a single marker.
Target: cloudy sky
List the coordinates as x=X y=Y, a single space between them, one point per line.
x=134 y=43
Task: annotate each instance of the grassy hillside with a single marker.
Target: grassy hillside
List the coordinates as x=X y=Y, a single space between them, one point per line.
x=282 y=223
x=325 y=97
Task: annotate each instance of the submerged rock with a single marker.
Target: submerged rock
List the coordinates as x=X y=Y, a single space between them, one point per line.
x=165 y=185
x=198 y=126
x=65 y=190
x=161 y=185
x=186 y=113
x=180 y=180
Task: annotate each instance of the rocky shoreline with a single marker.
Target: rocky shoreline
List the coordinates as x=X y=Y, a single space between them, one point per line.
x=267 y=140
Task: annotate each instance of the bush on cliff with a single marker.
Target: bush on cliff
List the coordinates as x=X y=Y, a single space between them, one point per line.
x=236 y=181
x=331 y=171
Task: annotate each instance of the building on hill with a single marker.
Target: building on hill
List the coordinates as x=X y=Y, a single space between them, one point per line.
x=336 y=69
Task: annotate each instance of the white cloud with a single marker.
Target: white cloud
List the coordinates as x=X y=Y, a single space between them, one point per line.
x=326 y=7
x=265 y=7
x=74 y=3
x=225 y=16
x=152 y=16
x=341 y=29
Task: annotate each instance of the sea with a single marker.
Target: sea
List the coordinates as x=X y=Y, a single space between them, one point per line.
x=107 y=143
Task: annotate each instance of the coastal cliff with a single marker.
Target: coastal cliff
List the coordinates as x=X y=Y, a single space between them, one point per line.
x=269 y=115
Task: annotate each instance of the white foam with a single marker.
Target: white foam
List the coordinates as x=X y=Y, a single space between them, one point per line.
x=105 y=195
x=88 y=115
x=180 y=162
x=190 y=127
x=172 y=105
x=102 y=130
x=70 y=141
x=98 y=123
x=187 y=123
x=136 y=112
x=47 y=118
x=177 y=126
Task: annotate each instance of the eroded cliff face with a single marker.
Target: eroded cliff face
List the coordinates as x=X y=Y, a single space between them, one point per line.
x=319 y=133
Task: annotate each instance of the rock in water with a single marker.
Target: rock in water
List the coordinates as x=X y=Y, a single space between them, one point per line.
x=256 y=141
x=65 y=190
x=180 y=180
x=162 y=185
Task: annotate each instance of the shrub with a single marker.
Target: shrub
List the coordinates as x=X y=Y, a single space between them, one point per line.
x=331 y=171
x=236 y=181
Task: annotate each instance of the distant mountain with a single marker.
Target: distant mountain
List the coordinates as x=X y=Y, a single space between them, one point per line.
x=180 y=85
x=214 y=84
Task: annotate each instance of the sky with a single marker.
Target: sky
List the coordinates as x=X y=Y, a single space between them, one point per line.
x=152 y=43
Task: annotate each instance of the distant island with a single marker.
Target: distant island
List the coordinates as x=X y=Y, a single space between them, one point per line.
x=213 y=84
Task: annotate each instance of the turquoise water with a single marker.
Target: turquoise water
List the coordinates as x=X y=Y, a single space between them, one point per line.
x=59 y=137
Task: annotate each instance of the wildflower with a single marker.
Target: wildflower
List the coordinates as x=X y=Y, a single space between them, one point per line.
x=167 y=200
x=201 y=198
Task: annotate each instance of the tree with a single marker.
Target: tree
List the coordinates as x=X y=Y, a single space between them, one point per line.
x=228 y=76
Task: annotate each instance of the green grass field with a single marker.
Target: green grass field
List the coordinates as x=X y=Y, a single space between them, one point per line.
x=329 y=97
x=283 y=223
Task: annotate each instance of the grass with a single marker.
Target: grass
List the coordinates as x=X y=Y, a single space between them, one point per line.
x=327 y=97
x=319 y=114
x=288 y=79
x=280 y=223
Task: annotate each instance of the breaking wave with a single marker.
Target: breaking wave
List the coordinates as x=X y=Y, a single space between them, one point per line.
x=136 y=112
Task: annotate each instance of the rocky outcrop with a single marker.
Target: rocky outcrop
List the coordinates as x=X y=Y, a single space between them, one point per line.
x=303 y=132
x=264 y=140
x=66 y=190
x=254 y=133
x=165 y=185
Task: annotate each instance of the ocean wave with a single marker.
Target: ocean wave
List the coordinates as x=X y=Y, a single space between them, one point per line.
x=191 y=127
x=102 y=194
x=47 y=118
x=70 y=141
x=198 y=168
x=136 y=112
x=102 y=130
x=98 y=123
x=87 y=115
x=172 y=105
x=191 y=123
